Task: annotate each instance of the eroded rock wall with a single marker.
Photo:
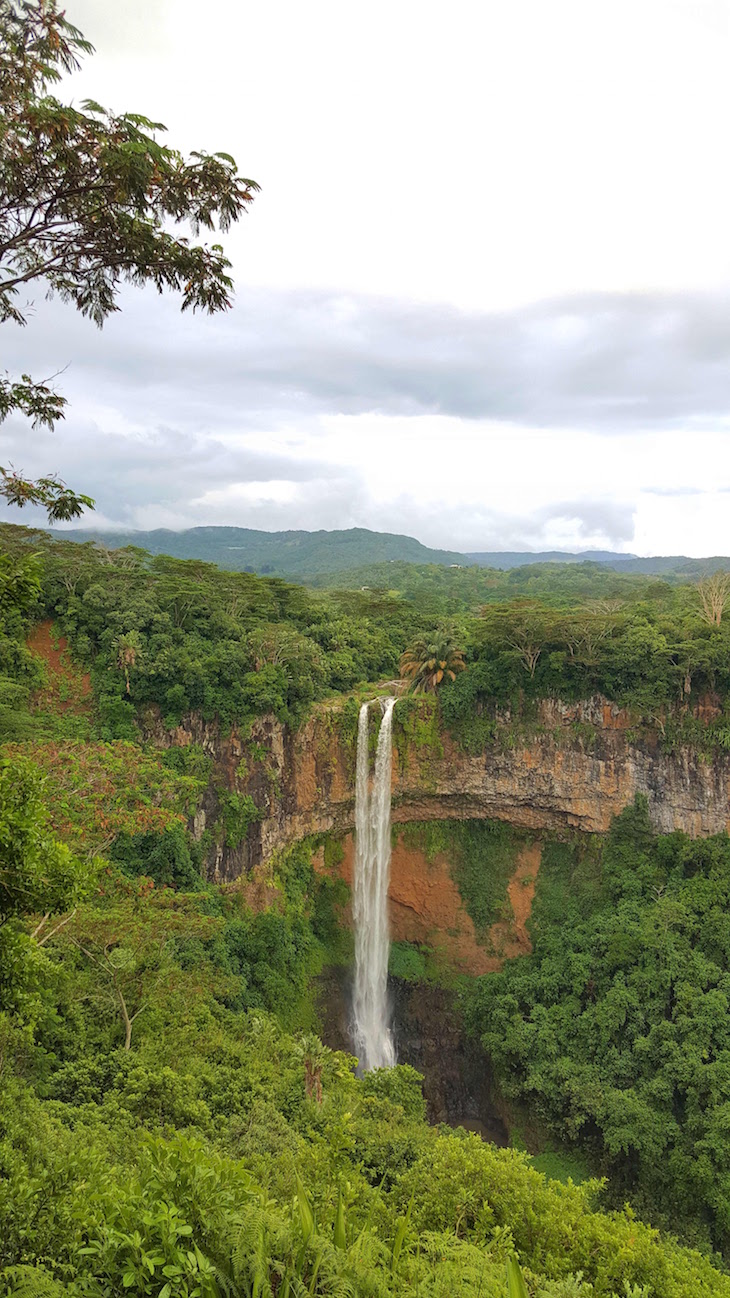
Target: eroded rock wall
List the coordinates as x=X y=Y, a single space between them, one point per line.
x=426 y=907
x=577 y=767
x=429 y=1035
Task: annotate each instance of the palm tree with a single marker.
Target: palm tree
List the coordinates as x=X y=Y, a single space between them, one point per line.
x=313 y=1055
x=431 y=662
x=127 y=649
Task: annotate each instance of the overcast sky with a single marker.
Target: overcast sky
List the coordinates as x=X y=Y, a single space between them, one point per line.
x=483 y=297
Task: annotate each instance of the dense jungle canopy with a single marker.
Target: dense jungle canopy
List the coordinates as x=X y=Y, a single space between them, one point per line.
x=171 y=1123
x=160 y=1032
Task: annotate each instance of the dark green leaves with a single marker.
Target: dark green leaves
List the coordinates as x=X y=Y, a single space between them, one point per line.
x=59 y=501
x=85 y=199
x=616 y=1029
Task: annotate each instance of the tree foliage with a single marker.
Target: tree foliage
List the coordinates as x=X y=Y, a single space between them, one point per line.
x=714 y=593
x=38 y=876
x=616 y=1029
x=190 y=638
x=36 y=873
x=130 y=938
x=90 y=199
x=221 y=1155
x=160 y=1131
x=613 y=1032
x=428 y=663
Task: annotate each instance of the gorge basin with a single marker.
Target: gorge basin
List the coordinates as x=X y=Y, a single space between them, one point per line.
x=384 y=1020
x=428 y=1035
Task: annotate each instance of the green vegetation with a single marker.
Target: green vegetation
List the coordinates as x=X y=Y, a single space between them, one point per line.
x=421 y=965
x=238 y=812
x=97 y=791
x=160 y=1032
x=615 y=1031
x=417 y=730
x=359 y=557
x=186 y=637
x=162 y=1133
x=408 y=962
x=38 y=877
x=431 y=662
x=183 y=637
x=20 y=672
x=656 y=656
x=446 y=590
x=171 y=1126
x=482 y=856
x=295 y=554
x=91 y=199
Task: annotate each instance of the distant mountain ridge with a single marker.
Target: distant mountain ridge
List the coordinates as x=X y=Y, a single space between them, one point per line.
x=290 y=554
x=301 y=554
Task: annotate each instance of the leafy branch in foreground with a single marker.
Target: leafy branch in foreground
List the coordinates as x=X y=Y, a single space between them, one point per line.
x=87 y=198
x=59 y=501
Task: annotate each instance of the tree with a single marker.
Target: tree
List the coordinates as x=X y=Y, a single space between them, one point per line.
x=430 y=662
x=130 y=940
x=278 y=644
x=313 y=1055
x=87 y=199
x=37 y=874
x=127 y=648
x=525 y=628
x=714 y=593
x=20 y=585
x=584 y=632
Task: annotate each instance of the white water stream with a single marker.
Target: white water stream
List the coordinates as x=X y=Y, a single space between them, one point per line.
x=374 y=1044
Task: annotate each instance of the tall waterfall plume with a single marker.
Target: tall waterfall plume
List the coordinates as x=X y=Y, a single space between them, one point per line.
x=373 y=1036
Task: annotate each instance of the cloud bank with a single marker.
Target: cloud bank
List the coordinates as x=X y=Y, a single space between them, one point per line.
x=604 y=361
x=512 y=429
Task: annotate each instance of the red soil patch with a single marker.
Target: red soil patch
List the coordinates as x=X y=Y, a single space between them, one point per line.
x=426 y=907
x=258 y=891
x=510 y=937
x=68 y=690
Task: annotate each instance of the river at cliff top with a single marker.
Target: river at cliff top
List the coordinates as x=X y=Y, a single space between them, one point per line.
x=428 y=1036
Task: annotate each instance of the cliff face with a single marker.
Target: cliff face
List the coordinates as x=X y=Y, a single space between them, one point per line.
x=426 y=907
x=429 y=1035
x=579 y=765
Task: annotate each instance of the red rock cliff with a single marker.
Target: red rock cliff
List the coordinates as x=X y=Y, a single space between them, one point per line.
x=579 y=765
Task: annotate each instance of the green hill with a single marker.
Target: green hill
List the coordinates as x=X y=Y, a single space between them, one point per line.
x=306 y=555
x=243 y=549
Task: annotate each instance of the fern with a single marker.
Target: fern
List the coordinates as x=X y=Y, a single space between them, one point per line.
x=32 y=1282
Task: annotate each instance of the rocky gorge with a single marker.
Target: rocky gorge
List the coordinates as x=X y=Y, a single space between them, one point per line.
x=568 y=772
x=574 y=767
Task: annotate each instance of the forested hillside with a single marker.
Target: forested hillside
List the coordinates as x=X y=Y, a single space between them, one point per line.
x=309 y=556
x=288 y=554
x=184 y=635
x=159 y=1031
x=614 y=1031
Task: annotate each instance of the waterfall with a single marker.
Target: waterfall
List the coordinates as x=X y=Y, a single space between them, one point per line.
x=373 y=1037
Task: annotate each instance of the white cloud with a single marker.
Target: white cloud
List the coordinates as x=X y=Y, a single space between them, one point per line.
x=473 y=295
x=275 y=491
x=486 y=154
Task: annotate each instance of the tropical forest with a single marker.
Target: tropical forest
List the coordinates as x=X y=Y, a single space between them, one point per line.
x=364 y=907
